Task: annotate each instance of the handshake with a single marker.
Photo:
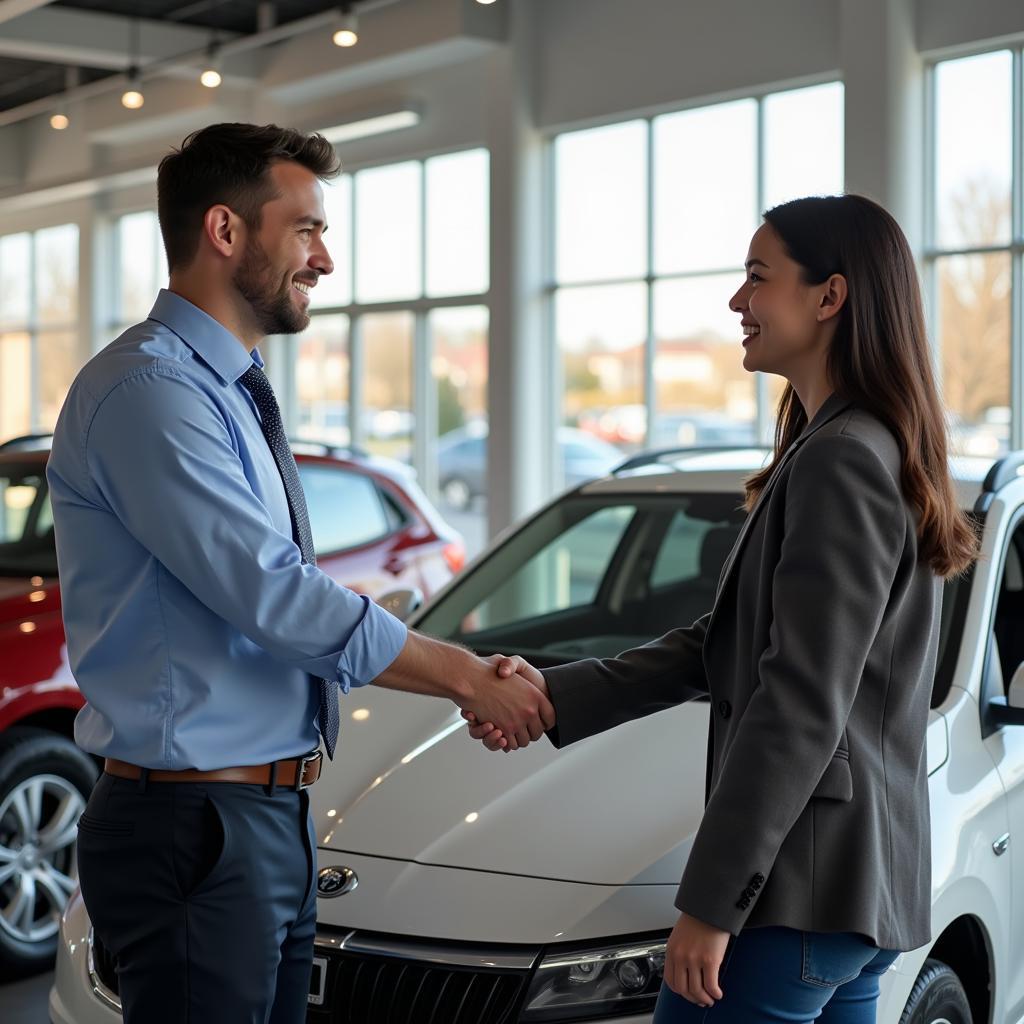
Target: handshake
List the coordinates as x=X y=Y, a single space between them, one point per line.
x=508 y=716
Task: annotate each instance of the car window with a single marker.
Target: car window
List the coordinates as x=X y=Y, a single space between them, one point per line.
x=578 y=579
x=345 y=508
x=679 y=556
x=26 y=538
x=1008 y=624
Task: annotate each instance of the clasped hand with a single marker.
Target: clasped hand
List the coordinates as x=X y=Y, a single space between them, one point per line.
x=485 y=726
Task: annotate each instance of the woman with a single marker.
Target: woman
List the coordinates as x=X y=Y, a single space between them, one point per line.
x=811 y=867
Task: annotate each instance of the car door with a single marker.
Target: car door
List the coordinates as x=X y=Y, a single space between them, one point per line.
x=1006 y=744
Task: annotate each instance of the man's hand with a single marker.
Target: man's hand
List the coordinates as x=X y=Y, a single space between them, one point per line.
x=481 y=728
x=510 y=702
x=693 y=960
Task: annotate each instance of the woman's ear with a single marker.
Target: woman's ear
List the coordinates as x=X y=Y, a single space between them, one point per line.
x=832 y=298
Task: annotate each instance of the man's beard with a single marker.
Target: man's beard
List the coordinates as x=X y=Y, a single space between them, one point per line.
x=273 y=308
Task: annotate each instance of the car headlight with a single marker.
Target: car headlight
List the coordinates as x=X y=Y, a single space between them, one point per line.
x=593 y=983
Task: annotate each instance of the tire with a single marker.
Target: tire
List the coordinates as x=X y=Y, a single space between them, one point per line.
x=457 y=493
x=45 y=781
x=938 y=997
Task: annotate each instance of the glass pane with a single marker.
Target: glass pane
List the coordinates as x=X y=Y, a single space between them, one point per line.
x=335 y=289
x=58 y=364
x=57 y=274
x=15 y=385
x=799 y=162
x=458 y=217
x=388 y=233
x=143 y=266
x=703 y=396
x=15 y=281
x=601 y=203
x=459 y=371
x=387 y=340
x=705 y=187
x=566 y=573
x=973 y=150
x=601 y=335
x=974 y=342
x=345 y=509
x=322 y=380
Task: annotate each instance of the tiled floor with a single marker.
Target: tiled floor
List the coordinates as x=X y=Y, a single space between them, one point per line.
x=24 y=1002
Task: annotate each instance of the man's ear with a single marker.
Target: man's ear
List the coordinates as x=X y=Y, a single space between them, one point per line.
x=223 y=229
x=832 y=298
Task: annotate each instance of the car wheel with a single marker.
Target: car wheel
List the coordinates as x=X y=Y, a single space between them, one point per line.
x=457 y=494
x=45 y=781
x=937 y=997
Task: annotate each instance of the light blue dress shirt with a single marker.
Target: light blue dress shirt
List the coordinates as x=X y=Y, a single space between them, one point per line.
x=193 y=628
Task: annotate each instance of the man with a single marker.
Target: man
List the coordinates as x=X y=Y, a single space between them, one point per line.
x=208 y=645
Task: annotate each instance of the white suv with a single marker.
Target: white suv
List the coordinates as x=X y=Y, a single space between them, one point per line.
x=463 y=887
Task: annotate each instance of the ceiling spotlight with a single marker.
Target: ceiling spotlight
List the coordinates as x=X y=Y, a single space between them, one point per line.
x=132 y=97
x=348 y=29
x=59 y=121
x=211 y=76
x=485 y=2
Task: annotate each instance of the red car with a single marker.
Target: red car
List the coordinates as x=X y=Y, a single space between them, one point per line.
x=374 y=530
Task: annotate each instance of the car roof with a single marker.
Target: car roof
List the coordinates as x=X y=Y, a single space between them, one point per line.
x=725 y=470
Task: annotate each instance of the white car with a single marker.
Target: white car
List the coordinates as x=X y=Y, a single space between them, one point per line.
x=463 y=887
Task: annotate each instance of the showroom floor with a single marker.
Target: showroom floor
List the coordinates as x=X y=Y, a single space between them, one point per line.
x=24 y=1002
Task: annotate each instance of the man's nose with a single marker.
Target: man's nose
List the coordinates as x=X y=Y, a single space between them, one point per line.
x=320 y=259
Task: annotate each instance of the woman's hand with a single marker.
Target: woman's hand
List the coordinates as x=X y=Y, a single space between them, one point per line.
x=492 y=737
x=693 y=959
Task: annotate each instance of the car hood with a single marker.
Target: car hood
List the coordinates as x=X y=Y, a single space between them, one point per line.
x=408 y=783
x=619 y=808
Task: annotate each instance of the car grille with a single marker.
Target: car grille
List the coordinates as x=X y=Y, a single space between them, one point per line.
x=363 y=987
x=377 y=988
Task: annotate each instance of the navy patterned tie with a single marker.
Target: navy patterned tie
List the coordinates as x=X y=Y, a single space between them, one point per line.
x=255 y=382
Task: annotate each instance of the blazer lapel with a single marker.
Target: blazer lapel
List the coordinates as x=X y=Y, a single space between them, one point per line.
x=832 y=406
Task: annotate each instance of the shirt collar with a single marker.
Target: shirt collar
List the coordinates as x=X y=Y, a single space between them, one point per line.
x=208 y=338
x=829 y=408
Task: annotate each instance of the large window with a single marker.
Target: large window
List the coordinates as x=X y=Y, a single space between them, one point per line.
x=38 y=327
x=141 y=269
x=974 y=246
x=395 y=359
x=652 y=222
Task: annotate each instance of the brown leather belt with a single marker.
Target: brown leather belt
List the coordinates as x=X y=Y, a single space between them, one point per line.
x=293 y=773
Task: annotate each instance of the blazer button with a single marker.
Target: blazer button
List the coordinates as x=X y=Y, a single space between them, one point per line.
x=724 y=708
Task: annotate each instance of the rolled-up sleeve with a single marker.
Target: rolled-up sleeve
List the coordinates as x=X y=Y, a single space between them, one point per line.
x=376 y=643
x=162 y=459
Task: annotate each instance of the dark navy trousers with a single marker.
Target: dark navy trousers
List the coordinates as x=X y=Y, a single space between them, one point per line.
x=206 y=894
x=775 y=975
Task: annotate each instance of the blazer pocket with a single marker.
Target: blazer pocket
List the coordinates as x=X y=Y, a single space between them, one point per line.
x=837 y=782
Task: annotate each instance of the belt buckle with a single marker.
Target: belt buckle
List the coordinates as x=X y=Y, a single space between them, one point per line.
x=300 y=775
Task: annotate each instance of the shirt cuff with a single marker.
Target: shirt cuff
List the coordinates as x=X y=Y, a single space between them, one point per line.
x=373 y=645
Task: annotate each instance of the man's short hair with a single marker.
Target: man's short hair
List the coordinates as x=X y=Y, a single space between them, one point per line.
x=229 y=164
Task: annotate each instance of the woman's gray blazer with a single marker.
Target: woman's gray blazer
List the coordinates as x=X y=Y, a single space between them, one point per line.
x=818 y=657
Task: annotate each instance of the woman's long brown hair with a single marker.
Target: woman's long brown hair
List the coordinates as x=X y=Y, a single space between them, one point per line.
x=879 y=358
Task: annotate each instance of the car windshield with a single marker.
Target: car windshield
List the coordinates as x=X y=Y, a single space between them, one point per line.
x=593 y=576
x=26 y=523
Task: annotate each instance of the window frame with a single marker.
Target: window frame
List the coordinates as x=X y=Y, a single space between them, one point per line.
x=765 y=414
x=933 y=253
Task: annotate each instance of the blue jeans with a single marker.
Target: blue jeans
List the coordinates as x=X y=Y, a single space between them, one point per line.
x=771 y=975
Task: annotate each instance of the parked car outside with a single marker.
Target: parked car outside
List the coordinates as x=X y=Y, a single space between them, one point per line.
x=462 y=461
x=374 y=530
x=463 y=887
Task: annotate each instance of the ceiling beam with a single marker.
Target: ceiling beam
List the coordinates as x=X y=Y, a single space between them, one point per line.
x=10 y=9
x=90 y=39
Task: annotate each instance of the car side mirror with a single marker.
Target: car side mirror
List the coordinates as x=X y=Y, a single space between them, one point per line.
x=402 y=603
x=1009 y=710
